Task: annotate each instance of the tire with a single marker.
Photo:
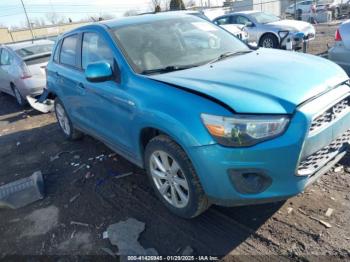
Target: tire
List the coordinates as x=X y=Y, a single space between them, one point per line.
x=19 y=98
x=65 y=123
x=197 y=202
x=269 y=41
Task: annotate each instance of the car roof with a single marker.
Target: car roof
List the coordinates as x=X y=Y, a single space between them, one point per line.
x=238 y=13
x=247 y=12
x=16 y=46
x=144 y=18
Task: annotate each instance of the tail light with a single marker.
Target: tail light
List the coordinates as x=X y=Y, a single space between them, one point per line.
x=25 y=72
x=337 y=36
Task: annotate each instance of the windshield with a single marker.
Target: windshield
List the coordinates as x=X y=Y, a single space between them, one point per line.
x=34 y=50
x=264 y=18
x=174 y=43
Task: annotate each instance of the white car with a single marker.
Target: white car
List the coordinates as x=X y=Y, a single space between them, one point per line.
x=302 y=7
x=22 y=68
x=237 y=30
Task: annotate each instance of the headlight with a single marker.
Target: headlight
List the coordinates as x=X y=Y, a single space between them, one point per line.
x=244 y=130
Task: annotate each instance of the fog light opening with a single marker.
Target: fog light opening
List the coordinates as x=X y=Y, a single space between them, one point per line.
x=249 y=181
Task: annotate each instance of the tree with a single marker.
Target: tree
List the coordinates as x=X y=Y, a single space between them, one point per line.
x=190 y=3
x=177 y=5
x=157 y=9
x=130 y=12
x=155 y=5
x=55 y=18
x=39 y=22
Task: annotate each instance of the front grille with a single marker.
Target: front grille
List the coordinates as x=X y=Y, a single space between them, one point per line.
x=317 y=160
x=331 y=114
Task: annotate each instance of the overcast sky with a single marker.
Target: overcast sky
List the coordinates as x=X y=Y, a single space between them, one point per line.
x=11 y=11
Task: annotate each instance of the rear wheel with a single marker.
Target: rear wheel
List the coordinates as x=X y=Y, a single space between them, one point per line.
x=65 y=123
x=173 y=178
x=20 y=100
x=269 y=41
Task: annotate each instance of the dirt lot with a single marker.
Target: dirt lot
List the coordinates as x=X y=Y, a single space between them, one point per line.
x=28 y=141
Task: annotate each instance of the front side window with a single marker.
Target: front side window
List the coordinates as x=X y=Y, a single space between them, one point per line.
x=5 y=57
x=68 y=50
x=241 y=20
x=95 y=49
x=174 y=42
x=223 y=21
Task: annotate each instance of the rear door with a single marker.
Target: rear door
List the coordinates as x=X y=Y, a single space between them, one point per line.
x=67 y=77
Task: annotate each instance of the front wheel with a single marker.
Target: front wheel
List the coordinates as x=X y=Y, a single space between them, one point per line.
x=173 y=178
x=65 y=123
x=269 y=41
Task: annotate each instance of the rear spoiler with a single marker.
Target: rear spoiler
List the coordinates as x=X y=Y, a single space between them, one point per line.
x=32 y=57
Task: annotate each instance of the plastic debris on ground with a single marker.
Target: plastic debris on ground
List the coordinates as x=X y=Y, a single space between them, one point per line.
x=22 y=192
x=329 y=212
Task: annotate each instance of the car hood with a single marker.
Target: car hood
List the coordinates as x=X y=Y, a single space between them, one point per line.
x=264 y=81
x=294 y=25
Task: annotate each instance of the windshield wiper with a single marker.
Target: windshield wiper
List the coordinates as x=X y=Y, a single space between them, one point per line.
x=229 y=54
x=166 y=69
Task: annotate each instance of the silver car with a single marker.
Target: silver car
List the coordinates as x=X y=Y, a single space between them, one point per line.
x=340 y=52
x=22 y=68
x=270 y=31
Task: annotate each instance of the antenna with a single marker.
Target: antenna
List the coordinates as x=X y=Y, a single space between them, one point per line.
x=28 y=22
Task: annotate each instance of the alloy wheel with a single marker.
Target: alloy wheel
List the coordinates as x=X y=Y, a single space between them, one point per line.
x=267 y=43
x=63 y=119
x=169 y=179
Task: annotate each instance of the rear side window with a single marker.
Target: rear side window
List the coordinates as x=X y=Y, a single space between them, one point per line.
x=57 y=52
x=34 y=50
x=6 y=58
x=95 y=49
x=68 y=51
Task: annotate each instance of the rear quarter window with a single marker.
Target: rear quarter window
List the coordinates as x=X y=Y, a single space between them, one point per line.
x=56 y=54
x=68 y=51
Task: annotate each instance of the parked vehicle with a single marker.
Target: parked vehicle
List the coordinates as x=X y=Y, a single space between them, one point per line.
x=269 y=31
x=22 y=68
x=236 y=30
x=340 y=52
x=219 y=124
x=337 y=7
x=302 y=7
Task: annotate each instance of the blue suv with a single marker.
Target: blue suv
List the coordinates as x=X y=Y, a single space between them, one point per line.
x=212 y=121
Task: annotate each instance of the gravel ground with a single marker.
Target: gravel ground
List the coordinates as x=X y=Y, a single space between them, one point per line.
x=294 y=228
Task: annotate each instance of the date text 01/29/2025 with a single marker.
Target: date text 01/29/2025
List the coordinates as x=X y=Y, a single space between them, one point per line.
x=172 y=258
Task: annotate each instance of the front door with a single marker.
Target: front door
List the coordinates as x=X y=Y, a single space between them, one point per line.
x=109 y=107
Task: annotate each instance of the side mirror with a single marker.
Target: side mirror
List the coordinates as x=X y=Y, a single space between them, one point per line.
x=98 y=72
x=249 y=24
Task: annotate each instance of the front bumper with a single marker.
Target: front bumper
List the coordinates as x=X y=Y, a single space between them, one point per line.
x=297 y=38
x=279 y=158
